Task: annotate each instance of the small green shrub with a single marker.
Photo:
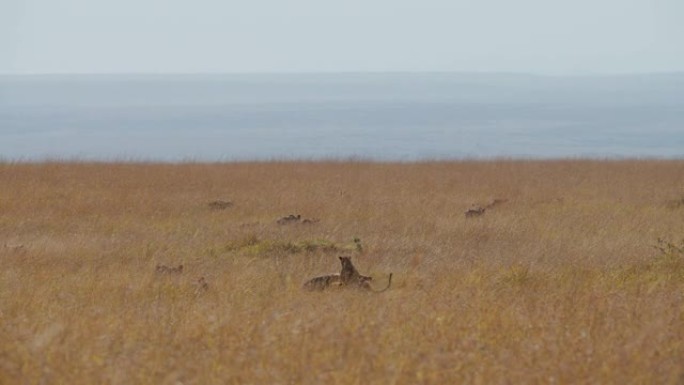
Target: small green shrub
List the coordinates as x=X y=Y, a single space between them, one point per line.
x=251 y=245
x=357 y=243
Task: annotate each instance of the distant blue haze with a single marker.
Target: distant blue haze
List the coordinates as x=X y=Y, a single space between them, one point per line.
x=396 y=116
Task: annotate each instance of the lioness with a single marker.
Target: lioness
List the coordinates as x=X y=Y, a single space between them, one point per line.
x=348 y=277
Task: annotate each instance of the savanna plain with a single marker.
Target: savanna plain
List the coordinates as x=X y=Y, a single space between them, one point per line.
x=574 y=275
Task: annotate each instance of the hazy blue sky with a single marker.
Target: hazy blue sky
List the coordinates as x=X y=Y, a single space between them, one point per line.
x=541 y=36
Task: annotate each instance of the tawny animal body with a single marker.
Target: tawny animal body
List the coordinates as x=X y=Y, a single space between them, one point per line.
x=323 y=282
x=349 y=275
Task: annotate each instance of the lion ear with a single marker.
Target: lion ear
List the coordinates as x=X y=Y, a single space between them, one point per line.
x=341 y=258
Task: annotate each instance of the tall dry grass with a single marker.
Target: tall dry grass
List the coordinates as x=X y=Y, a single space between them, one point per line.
x=560 y=284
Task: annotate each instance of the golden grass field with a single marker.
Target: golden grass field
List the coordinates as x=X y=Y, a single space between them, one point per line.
x=559 y=284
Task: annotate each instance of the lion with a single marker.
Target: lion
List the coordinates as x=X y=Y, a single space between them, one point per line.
x=348 y=277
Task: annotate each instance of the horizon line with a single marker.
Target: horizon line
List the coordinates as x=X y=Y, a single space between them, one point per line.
x=397 y=72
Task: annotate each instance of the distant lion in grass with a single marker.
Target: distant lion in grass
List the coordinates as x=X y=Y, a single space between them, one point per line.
x=349 y=277
x=474 y=212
